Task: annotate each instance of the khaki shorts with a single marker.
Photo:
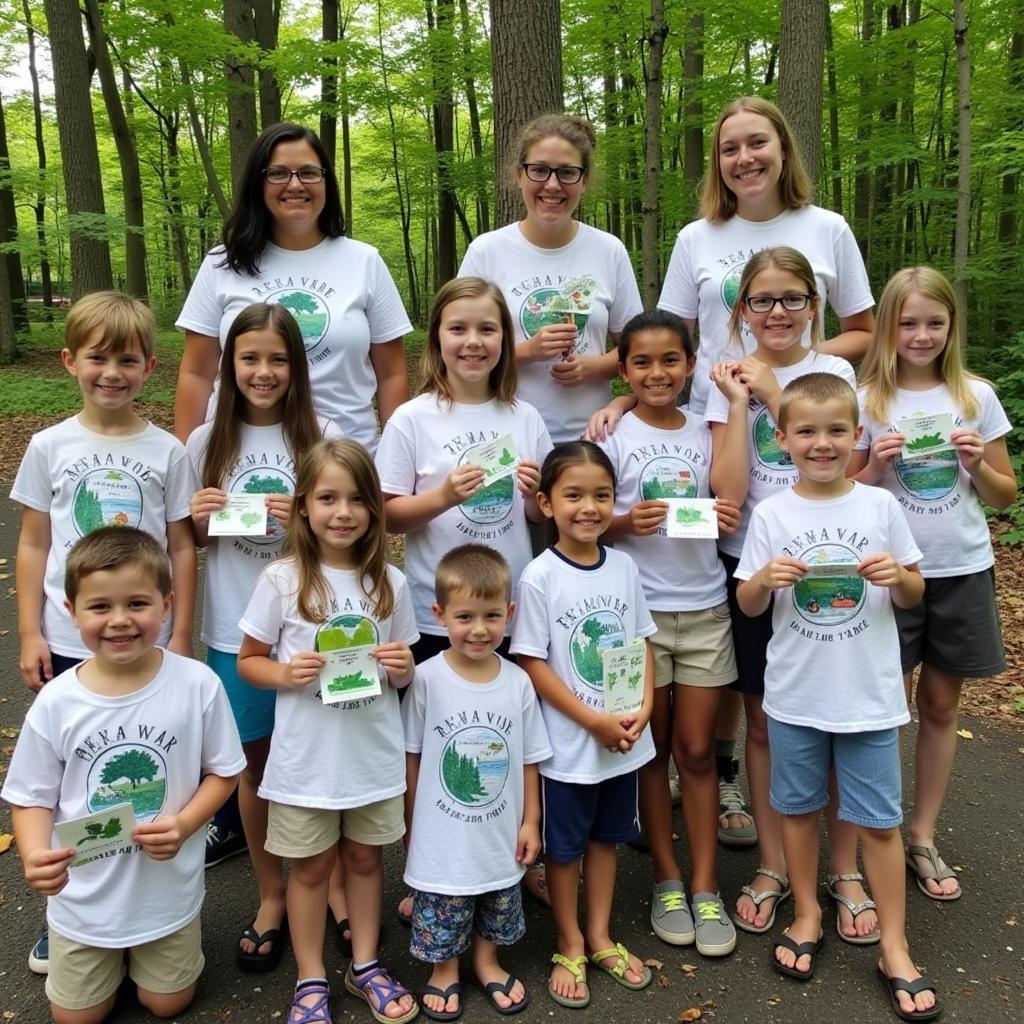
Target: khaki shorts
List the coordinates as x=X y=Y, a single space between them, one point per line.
x=81 y=977
x=306 y=831
x=694 y=648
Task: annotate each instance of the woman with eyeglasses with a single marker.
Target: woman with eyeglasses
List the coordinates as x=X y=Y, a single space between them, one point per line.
x=285 y=243
x=569 y=286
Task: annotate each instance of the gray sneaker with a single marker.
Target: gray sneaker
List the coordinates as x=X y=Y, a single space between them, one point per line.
x=716 y=935
x=670 y=915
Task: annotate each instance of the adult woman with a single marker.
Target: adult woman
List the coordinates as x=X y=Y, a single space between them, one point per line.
x=570 y=287
x=284 y=242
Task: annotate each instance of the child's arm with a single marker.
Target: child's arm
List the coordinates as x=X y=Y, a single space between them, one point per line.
x=730 y=470
x=162 y=839
x=29 y=572
x=602 y=423
x=256 y=666
x=754 y=595
x=46 y=869
x=990 y=467
x=642 y=520
x=181 y=546
x=905 y=583
x=405 y=512
x=528 y=842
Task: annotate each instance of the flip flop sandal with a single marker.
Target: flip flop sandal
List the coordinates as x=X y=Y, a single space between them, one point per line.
x=257 y=962
x=380 y=993
x=318 y=1013
x=505 y=988
x=798 y=949
x=454 y=989
x=617 y=972
x=343 y=941
x=855 y=909
x=757 y=898
x=936 y=870
x=912 y=988
x=577 y=967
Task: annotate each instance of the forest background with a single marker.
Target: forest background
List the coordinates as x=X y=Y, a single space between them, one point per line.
x=123 y=126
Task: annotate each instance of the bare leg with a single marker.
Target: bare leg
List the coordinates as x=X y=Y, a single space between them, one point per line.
x=727 y=728
x=487 y=968
x=800 y=839
x=307 y=901
x=842 y=860
x=563 y=886
x=655 y=800
x=443 y=975
x=599 y=866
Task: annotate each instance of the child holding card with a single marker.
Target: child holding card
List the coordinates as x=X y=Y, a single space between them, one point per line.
x=935 y=437
x=663 y=461
x=335 y=774
x=577 y=600
x=439 y=451
x=128 y=755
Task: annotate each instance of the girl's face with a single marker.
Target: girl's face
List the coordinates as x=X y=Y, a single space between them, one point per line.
x=262 y=374
x=750 y=158
x=923 y=331
x=551 y=203
x=780 y=329
x=657 y=367
x=470 y=338
x=295 y=206
x=581 y=503
x=337 y=514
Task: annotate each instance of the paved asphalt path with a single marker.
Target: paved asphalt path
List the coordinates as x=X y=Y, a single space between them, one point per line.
x=973 y=949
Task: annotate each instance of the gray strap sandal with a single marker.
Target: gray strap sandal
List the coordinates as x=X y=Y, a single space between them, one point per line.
x=759 y=897
x=855 y=909
x=935 y=869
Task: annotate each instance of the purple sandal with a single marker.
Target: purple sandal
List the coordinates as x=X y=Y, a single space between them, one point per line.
x=318 y=1013
x=377 y=994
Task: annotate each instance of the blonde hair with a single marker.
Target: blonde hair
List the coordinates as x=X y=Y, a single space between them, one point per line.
x=718 y=201
x=126 y=324
x=817 y=388
x=880 y=370
x=504 y=378
x=577 y=131
x=785 y=258
x=369 y=553
x=477 y=569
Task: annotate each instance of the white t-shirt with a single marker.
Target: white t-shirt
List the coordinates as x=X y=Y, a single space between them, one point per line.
x=473 y=740
x=707 y=262
x=568 y=614
x=539 y=285
x=678 y=575
x=771 y=469
x=264 y=466
x=344 y=300
x=330 y=756
x=935 y=491
x=422 y=443
x=80 y=752
x=83 y=480
x=834 y=655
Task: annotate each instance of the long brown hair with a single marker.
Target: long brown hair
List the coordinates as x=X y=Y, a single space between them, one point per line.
x=369 y=553
x=299 y=425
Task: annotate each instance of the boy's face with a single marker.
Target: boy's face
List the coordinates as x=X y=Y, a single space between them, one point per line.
x=109 y=380
x=819 y=438
x=475 y=625
x=119 y=613
x=657 y=366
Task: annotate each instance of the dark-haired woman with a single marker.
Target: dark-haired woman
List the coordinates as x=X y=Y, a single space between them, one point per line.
x=284 y=243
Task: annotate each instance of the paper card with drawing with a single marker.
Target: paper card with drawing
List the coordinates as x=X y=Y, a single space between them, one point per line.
x=97 y=835
x=926 y=435
x=691 y=517
x=622 y=677
x=349 y=673
x=243 y=515
x=497 y=458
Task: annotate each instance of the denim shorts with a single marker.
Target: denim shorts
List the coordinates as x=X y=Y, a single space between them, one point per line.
x=577 y=813
x=252 y=707
x=443 y=925
x=867 y=773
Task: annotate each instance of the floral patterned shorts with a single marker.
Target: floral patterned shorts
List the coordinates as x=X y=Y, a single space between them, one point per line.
x=443 y=926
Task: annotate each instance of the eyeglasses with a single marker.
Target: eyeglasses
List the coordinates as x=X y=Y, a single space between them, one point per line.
x=567 y=174
x=792 y=303
x=308 y=175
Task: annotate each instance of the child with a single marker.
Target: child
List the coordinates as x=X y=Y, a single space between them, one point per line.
x=133 y=702
x=660 y=452
x=778 y=303
x=335 y=773
x=473 y=836
x=575 y=600
x=435 y=493
x=915 y=368
x=837 y=556
x=263 y=422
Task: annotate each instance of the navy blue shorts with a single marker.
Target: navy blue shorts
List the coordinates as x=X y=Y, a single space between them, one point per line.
x=750 y=636
x=576 y=813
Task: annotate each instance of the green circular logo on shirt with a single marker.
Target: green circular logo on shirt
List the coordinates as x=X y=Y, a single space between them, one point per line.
x=550 y=306
x=929 y=477
x=106 y=497
x=766 y=446
x=667 y=477
x=132 y=773
x=310 y=312
x=598 y=632
x=474 y=766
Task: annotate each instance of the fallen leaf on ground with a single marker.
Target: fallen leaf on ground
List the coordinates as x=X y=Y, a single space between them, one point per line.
x=655 y=965
x=965 y=734
x=5 y=842
x=691 y=1014
x=9 y=732
x=663 y=982
x=688 y=969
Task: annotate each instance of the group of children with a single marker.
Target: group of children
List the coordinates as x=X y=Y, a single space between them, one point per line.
x=486 y=765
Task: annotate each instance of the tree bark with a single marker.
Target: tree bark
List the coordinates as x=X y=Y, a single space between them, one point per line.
x=801 y=60
x=8 y=348
x=483 y=211
x=239 y=22
x=329 y=81
x=9 y=236
x=1007 y=230
x=693 y=112
x=862 y=181
x=39 y=207
x=266 y=19
x=83 y=185
x=523 y=89
x=833 y=120
x=612 y=158
x=652 y=153
x=963 y=188
x=442 y=58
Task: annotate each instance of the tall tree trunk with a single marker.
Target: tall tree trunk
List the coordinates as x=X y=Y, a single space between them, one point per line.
x=801 y=58
x=239 y=22
x=1007 y=230
x=910 y=168
x=483 y=209
x=523 y=89
x=329 y=81
x=652 y=152
x=346 y=147
x=8 y=348
x=833 y=120
x=127 y=156
x=266 y=19
x=9 y=235
x=963 y=134
x=83 y=185
x=612 y=156
x=37 y=120
x=693 y=112
x=442 y=58
x=862 y=181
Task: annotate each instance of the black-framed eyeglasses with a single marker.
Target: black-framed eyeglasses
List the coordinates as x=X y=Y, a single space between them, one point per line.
x=308 y=175
x=567 y=174
x=792 y=303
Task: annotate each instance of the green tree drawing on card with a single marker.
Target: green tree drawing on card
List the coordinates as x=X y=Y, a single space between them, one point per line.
x=507 y=458
x=925 y=441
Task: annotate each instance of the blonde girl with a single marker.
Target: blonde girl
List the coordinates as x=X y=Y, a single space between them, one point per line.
x=335 y=774
x=916 y=369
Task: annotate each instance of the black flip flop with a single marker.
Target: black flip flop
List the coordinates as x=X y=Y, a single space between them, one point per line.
x=912 y=988
x=505 y=988
x=454 y=989
x=257 y=962
x=343 y=941
x=799 y=949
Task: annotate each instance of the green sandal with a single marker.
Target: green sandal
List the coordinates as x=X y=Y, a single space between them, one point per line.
x=577 y=967
x=618 y=971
